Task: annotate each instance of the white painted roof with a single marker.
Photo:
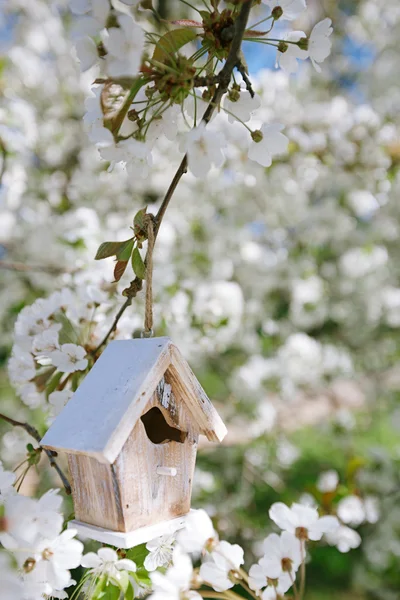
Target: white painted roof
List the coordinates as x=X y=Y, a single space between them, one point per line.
x=102 y=413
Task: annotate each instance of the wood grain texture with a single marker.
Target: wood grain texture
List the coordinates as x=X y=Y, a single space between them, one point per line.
x=188 y=390
x=95 y=493
x=103 y=412
x=148 y=498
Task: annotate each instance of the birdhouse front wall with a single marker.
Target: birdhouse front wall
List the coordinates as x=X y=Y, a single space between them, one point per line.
x=151 y=481
x=156 y=478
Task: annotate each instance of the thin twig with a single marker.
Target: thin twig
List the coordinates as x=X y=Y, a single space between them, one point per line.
x=242 y=70
x=224 y=78
x=50 y=455
x=3 y=153
x=23 y=268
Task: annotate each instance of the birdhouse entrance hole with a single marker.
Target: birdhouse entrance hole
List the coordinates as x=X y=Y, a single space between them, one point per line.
x=158 y=430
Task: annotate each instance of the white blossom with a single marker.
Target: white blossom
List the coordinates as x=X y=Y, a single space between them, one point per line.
x=273 y=142
x=28 y=521
x=204 y=149
x=288 y=60
x=7 y=480
x=344 y=538
x=328 y=481
x=125 y=47
x=319 y=44
x=216 y=570
x=176 y=583
x=58 y=400
x=302 y=521
x=243 y=108
x=291 y=8
x=106 y=562
x=197 y=532
x=69 y=358
x=59 y=556
x=160 y=552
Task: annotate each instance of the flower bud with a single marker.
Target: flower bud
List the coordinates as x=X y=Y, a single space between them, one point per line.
x=277 y=12
x=257 y=135
x=303 y=43
x=234 y=95
x=29 y=565
x=282 y=47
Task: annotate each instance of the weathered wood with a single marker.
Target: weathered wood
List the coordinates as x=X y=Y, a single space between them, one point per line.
x=95 y=493
x=188 y=389
x=148 y=497
x=131 y=433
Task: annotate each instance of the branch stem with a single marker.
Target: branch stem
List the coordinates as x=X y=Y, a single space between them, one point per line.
x=33 y=432
x=224 y=77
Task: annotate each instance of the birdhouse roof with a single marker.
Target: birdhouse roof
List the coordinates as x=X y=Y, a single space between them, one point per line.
x=102 y=413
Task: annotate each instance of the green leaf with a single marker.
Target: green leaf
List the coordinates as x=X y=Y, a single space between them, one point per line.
x=129 y=594
x=139 y=223
x=124 y=253
x=107 y=249
x=171 y=42
x=138 y=264
x=67 y=333
x=119 y=269
x=53 y=383
x=138 y=555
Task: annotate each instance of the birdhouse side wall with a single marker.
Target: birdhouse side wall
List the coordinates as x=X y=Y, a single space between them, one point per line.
x=96 y=493
x=148 y=497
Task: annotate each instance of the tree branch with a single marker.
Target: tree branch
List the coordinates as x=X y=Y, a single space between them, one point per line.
x=23 y=268
x=50 y=455
x=224 y=77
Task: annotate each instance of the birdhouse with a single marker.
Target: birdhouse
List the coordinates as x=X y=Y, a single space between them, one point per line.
x=130 y=432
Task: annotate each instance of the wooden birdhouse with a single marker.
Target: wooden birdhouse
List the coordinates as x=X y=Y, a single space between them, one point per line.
x=130 y=432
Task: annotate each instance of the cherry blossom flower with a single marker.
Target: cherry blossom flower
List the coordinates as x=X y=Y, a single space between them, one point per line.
x=272 y=142
x=58 y=400
x=58 y=557
x=86 y=51
x=344 y=538
x=92 y=16
x=302 y=521
x=160 y=552
x=319 y=44
x=216 y=570
x=7 y=480
x=198 y=531
x=106 y=562
x=125 y=47
x=277 y=589
x=350 y=510
x=28 y=521
x=69 y=358
x=21 y=366
x=328 y=481
x=204 y=148
x=43 y=344
x=176 y=583
x=243 y=108
x=281 y=555
x=288 y=60
x=291 y=8
x=11 y=586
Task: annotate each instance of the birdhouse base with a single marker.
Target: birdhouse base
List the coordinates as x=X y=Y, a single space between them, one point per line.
x=130 y=539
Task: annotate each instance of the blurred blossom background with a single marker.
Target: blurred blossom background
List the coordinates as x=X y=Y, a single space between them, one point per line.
x=281 y=286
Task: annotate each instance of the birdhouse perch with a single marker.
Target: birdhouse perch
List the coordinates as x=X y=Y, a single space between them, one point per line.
x=130 y=433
